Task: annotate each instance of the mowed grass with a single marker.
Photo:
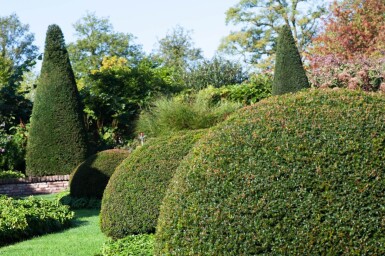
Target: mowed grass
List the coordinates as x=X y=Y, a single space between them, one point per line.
x=83 y=238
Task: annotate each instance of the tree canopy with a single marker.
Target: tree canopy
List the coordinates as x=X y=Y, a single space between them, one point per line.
x=96 y=38
x=259 y=22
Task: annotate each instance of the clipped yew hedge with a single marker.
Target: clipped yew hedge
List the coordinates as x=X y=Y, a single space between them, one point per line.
x=90 y=178
x=133 y=195
x=298 y=174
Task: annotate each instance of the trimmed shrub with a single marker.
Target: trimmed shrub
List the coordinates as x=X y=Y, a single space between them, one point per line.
x=142 y=245
x=57 y=138
x=299 y=174
x=90 y=178
x=131 y=201
x=289 y=74
x=24 y=218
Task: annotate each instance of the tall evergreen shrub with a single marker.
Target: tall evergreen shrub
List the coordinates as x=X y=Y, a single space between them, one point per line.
x=57 y=138
x=289 y=74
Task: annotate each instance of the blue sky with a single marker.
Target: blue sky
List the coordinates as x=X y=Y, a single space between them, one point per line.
x=148 y=20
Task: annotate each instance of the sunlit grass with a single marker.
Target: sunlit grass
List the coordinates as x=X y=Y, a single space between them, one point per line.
x=84 y=238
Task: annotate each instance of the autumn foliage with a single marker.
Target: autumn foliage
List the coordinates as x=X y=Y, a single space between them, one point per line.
x=355 y=27
x=350 y=51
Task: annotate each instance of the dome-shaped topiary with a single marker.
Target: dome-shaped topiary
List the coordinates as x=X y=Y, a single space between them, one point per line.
x=133 y=195
x=90 y=178
x=299 y=174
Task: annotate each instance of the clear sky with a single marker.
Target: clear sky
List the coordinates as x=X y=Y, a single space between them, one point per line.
x=147 y=20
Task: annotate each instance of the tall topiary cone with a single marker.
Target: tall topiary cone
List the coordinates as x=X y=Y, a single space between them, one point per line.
x=57 y=137
x=289 y=74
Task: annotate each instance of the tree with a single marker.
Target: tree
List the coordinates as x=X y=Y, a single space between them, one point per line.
x=260 y=21
x=57 y=138
x=97 y=39
x=118 y=94
x=177 y=51
x=355 y=28
x=289 y=74
x=17 y=55
x=216 y=72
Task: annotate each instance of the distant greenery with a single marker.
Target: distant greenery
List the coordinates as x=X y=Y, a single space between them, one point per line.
x=183 y=113
x=142 y=245
x=24 y=218
x=76 y=203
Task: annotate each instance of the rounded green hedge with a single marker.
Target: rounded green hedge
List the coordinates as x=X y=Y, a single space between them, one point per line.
x=90 y=178
x=133 y=195
x=299 y=174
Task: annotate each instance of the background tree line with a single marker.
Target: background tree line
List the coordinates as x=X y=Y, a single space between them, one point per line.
x=117 y=80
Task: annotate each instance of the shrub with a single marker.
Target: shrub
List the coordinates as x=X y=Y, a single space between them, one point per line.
x=24 y=218
x=11 y=175
x=299 y=174
x=361 y=72
x=142 y=245
x=183 y=113
x=131 y=201
x=57 y=138
x=289 y=74
x=78 y=202
x=255 y=89
x=90 y=178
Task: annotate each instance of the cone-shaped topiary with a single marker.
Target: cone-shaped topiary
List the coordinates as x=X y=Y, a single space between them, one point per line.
x=299 y=174
x=289 y=74
x=57 y=138
x=133 y=195
x=90 y=178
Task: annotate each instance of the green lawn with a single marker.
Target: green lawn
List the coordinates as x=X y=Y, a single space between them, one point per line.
x=84 y=238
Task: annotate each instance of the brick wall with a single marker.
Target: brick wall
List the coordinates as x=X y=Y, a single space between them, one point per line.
x=34 y=185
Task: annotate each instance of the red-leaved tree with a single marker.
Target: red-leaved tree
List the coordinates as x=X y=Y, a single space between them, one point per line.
x=350 y=51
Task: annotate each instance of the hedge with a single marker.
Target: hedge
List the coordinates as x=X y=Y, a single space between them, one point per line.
x=298 y=174
x=131 y=201
x=90 y=178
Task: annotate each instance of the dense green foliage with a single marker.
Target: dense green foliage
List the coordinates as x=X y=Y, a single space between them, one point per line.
x=256 y=88
x=190 y=112
x=13 y=142
x=142 y=245
x=298 y=174
x=24 y=218
x=289 y=74
x=90 y=178
x=133 y=195
x=116 y=94
x=11 y=175
x=216 y=72
x=57 y=138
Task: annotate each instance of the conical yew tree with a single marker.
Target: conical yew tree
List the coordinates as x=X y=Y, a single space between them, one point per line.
x=57 y=139
x=289 y=74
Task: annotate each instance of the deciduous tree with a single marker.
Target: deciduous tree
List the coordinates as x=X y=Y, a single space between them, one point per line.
x=260 y=21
